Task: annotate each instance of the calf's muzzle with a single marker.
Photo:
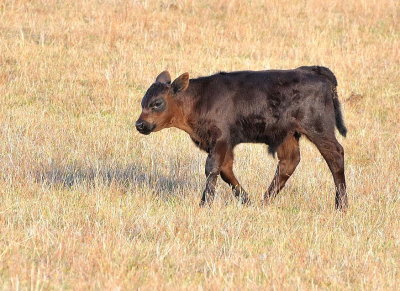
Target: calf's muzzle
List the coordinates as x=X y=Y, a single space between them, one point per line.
x=144 y=127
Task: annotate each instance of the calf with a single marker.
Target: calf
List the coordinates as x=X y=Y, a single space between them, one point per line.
x=272 y=107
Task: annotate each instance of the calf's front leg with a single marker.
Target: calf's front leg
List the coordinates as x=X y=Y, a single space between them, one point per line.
x=229 y=177
x=212 y=169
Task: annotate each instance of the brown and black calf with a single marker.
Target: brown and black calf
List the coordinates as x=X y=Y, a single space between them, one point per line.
x=273 y=107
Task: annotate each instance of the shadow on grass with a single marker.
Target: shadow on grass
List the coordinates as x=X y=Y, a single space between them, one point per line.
x=127 y=176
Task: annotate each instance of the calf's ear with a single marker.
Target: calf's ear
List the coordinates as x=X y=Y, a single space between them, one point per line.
x=181 y=83
x=164 y=77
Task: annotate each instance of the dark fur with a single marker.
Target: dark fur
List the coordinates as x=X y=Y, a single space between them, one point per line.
x=336 y=104
x=262 y=107
x=272 y=107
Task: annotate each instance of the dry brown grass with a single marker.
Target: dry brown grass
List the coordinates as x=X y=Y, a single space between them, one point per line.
x=88 y=203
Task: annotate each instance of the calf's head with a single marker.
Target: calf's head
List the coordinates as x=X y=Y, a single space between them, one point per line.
x=159 y=104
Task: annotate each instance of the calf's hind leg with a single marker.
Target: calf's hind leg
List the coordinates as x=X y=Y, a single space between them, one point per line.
x=229 y=177
x=333 y=154
x=289 y=157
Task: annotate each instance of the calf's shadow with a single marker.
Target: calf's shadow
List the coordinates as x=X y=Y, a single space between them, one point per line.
x=127 y=176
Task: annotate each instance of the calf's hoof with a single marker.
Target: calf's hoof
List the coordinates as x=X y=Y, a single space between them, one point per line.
x=205 y=202
x=341 y=203
x=202 y=203
x=341 y=207
x=266 y=201
x=245 y=200
x=241 y=195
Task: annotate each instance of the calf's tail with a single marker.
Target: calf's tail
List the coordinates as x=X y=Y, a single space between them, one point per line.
x=338 y=113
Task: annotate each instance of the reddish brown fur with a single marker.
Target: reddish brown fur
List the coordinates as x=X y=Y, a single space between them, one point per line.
x=289 y=157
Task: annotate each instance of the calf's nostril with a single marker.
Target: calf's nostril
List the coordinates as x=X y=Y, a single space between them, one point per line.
x=139 y=124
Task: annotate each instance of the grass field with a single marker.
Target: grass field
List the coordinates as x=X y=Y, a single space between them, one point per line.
x=86 y=202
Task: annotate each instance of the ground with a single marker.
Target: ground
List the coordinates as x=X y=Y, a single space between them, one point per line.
x=86 y=202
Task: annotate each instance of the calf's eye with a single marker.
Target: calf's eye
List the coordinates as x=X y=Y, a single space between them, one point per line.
x=157 y=105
